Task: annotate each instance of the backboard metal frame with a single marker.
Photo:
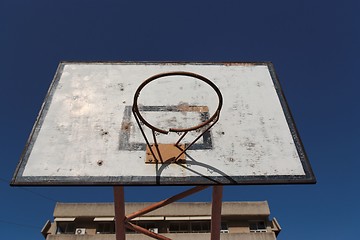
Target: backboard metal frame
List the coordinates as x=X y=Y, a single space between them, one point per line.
x=157 y=179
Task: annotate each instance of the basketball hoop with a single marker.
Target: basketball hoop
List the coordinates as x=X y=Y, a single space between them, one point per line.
x=161 y=153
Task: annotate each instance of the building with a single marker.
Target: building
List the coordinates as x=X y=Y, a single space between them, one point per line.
x=180 y=220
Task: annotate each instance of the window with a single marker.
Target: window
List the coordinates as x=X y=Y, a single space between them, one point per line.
x=179 y=227
x=200 y=226
x=105 y=228
x=257 y=226
x=224 y=227
x=152 y=226
x=147 y=225
x=65 y=228
x=129 y=231
x=189 y=227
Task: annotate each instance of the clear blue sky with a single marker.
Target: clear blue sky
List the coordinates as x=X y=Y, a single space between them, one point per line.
x=314 y=46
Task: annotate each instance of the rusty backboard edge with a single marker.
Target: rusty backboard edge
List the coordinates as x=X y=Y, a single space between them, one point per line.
x=292 y=126
x=161 y=181
x=37 y=125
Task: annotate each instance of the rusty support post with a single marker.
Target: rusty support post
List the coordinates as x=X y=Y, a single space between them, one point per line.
x=216 y=212
x=146 y=231
x=165 y=202
x=119 y=205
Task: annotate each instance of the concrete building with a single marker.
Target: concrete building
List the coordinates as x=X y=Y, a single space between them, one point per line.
x=179 y=221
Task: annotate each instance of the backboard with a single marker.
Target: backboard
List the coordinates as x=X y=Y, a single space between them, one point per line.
x=86 y=132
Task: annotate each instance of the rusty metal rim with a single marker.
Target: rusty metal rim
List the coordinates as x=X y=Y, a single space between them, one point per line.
x=179 y=73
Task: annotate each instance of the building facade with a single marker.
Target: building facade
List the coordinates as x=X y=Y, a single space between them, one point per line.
x=95 y=221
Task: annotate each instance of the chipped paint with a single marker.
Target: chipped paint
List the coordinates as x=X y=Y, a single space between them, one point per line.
x=82 y=122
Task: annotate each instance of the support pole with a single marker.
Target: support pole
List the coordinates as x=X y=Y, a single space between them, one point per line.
x=119 y=204
x=165 y=202
x=216 y=212
x=146 y=231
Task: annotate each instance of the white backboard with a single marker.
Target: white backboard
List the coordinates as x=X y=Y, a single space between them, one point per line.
x=86 y=133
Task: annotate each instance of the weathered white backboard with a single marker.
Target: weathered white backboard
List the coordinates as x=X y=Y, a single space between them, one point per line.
x=86 y=133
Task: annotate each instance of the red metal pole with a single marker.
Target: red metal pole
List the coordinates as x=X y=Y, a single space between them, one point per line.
x=146 y=231
x=119 y=204
x=165 y=202
x=216 y=212
x=155 y=206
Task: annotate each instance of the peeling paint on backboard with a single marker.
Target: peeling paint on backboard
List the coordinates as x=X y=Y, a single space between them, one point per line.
x=86 y=133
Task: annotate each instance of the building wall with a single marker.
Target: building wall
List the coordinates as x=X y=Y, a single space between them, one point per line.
x=237 y=218
x=179 y=236
x=193 y=209
x=238 y=227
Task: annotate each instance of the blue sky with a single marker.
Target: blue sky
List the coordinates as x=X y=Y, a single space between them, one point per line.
x=314 y=46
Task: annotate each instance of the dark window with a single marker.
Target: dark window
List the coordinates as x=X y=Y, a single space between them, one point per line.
x=127 y=230
x=200 y=226
x=179 y=227
x=65 y=228
x=105 y=228
x=224 y=226
x=189 y=226
x=152 y=226
x=257 y=226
